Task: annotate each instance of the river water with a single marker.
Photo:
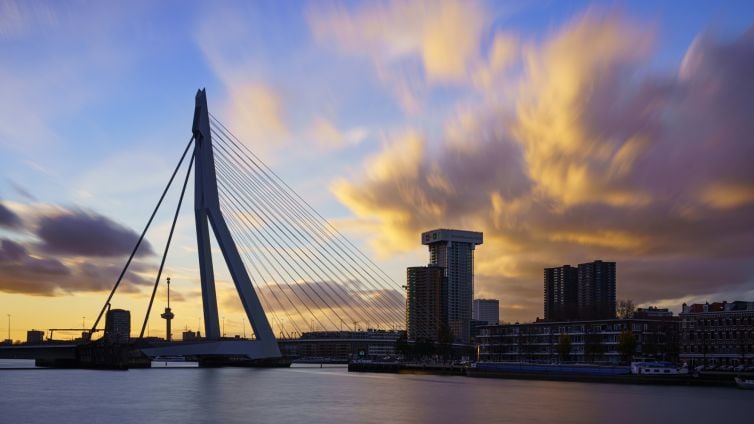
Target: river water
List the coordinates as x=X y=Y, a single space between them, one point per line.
x=332 y=395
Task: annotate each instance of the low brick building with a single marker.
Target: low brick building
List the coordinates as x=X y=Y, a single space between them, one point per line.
x=591 y=341
x=720 y=333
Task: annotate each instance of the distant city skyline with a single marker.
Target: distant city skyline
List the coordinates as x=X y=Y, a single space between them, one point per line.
x=391 y=119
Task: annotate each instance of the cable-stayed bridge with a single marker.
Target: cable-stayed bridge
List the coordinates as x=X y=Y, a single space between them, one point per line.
x=291 y=268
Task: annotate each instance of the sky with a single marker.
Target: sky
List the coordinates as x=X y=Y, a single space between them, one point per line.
x=565 y=131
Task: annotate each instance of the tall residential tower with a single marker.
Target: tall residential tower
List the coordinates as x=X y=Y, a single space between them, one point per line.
x=454 y=251
x=583 y=293
x=426 y=303
x=561 y=293
x=596 y=293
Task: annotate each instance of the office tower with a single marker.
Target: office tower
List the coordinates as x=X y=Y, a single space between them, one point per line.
x=596 y=290
x=561 y=293
x=426 y=302
x=486 y=310
x=454 y=251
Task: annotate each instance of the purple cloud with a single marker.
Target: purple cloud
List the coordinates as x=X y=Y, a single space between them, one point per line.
x=80 y=233
x=22 y=272
x=8 y=218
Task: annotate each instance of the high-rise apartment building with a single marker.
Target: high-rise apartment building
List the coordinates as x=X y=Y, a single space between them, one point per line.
x=426 y=302
x=596 y=291
x=486 y=310
x=583 y=293
x=561 y=288
x=454 y=251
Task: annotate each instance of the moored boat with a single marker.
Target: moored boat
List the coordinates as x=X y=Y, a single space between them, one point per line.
x=745 y=383
x=658 y=368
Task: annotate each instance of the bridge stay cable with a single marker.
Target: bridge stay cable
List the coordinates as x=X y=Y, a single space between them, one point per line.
x=277 y=181
x=393 y=290
x=291 y=283
x=295 y=236
x=141 y=237
x=257 y=245
x=317 y=232
x=390 y=306
x=288 y=266
x=298 y=202
x=167 y=246
x=311 y=258
x=343 y=297
x=267 y=286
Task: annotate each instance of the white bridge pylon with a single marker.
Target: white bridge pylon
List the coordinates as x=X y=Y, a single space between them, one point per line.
x=208 y=214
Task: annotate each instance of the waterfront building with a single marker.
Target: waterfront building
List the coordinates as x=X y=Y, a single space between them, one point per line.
x=583 y=293
x=426 y=302
x=118 y=326
x=476 y=328
x=341 y=345
x=720 y=333
x=191 y=335
x=487 y=310
x=652 y=312
x=561 y=293
x=454 y=251
x=594 y=341
x=596 y=290
x=35 y=336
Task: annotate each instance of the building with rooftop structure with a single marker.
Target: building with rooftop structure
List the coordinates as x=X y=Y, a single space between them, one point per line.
x=454 y=251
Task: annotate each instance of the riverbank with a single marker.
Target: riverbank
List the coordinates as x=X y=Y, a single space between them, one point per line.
x=702 y=380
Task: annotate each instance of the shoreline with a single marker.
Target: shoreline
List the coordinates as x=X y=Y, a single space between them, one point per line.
x=709 y=380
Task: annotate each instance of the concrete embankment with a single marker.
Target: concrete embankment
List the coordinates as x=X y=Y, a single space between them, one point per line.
x=611 y=376
x=679 y=380
x=407 y=368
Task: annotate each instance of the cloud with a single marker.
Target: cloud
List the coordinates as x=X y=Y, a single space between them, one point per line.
x=22 y=191
x=598 y=158
x=443 y=35
x=256 y=108
x=501 y=56
x=411 y=44
x=24 y=272
x=8 y=218
x=68 y=251
x=257 y=112
x=406 y=189
x=565 y=86
x=81 y=233
x=326 y=134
